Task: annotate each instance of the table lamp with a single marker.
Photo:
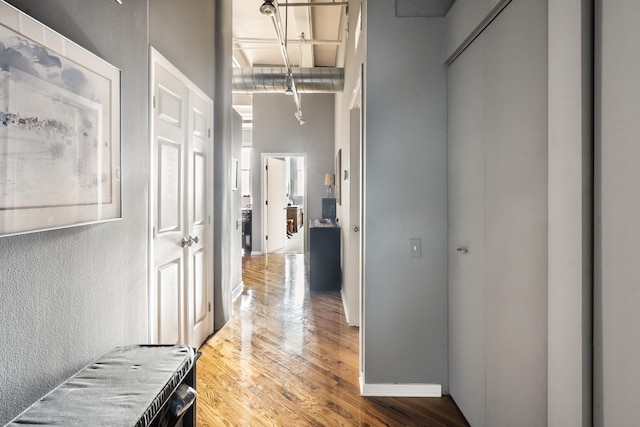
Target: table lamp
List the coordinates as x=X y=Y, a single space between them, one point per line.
x=329 y=180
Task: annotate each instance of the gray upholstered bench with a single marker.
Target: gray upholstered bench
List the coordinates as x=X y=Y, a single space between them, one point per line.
x=129 y=386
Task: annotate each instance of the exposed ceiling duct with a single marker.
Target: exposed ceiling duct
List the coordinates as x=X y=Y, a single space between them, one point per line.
x=274 y=80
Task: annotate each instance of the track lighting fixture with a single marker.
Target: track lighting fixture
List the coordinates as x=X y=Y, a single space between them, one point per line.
x=271 y=9
x=268 y=8
x=288 y=90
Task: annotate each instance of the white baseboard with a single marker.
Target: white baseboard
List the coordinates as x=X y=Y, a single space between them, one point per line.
x=400 y=390
x=237 y=291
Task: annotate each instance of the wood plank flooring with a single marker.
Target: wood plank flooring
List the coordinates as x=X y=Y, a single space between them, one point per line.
x=288 y=358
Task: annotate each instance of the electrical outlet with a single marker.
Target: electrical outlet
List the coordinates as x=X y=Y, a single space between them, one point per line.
x=415 y=248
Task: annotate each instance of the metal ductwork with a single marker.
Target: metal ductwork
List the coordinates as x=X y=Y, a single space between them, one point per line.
x=274 y=80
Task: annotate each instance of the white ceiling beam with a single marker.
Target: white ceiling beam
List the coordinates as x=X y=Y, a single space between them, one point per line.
x=255 y=40
x=316 y=4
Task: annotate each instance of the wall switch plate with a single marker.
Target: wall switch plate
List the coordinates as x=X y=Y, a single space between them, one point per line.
x=415 y=248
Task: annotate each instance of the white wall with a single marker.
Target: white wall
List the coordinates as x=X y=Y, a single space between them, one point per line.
x=617 y=213
x=276 y=130
x=405 y=299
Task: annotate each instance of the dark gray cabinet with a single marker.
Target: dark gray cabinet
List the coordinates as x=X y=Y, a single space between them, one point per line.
x=324 y=262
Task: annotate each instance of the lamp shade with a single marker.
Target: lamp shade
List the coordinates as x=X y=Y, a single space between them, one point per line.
x=329 y=179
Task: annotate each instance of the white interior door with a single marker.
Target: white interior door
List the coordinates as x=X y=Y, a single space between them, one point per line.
x=353 y=283
x=276 y=204
x=181 y=276
x=200 y=195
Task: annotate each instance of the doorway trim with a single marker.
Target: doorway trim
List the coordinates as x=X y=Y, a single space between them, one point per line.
x=263 y=197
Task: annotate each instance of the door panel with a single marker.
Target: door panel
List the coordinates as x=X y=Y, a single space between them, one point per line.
x=199 y=277
x=199 y=179
x=169 y=306
x=169 y=185
x=277 y=205
x=169 y=103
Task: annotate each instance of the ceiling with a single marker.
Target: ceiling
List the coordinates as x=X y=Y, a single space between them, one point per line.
x=312 y=33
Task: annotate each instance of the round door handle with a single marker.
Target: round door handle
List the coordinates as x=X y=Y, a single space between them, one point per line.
x=356 y=229
x=195 y=239
x=462 y=250
x=187 y=242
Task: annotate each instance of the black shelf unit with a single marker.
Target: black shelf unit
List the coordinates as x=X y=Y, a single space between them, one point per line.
x=324 y=263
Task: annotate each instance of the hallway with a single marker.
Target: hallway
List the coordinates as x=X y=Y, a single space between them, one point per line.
x=288 y=358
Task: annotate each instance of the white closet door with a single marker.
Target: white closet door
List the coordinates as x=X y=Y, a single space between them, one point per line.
x=466 y=233
x=181 y=266
x=498 y=218
x=167 y=293
x=198 y=215
x=516 y=215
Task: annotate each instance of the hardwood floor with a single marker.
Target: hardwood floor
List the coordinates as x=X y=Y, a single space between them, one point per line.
x=288 y=358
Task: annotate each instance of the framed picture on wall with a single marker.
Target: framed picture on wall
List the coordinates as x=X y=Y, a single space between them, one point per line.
x=338 y=176
x=59 y=130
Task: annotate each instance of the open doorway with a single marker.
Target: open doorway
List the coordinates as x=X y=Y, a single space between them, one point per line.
x=284 y=187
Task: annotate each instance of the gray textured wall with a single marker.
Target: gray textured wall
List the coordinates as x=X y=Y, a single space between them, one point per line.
x=185 y=36
x=405 y=300
x=276 y=130
x=617 y=201
x=570 y=307
x=224 y=219
x=70 y=295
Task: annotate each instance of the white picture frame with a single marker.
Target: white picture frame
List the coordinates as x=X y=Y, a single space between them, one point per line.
x=59 y=130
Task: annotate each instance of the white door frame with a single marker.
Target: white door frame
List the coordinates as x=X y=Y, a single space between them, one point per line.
x=263 y=195
x=359 y=98
x=157 y=57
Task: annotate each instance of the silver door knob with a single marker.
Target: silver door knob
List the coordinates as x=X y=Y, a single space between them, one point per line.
x=462 y=250
x=195 y=239
x=187 y=242
x=356 y=229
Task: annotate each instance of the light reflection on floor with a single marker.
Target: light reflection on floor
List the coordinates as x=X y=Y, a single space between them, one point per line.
x=286 y=307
